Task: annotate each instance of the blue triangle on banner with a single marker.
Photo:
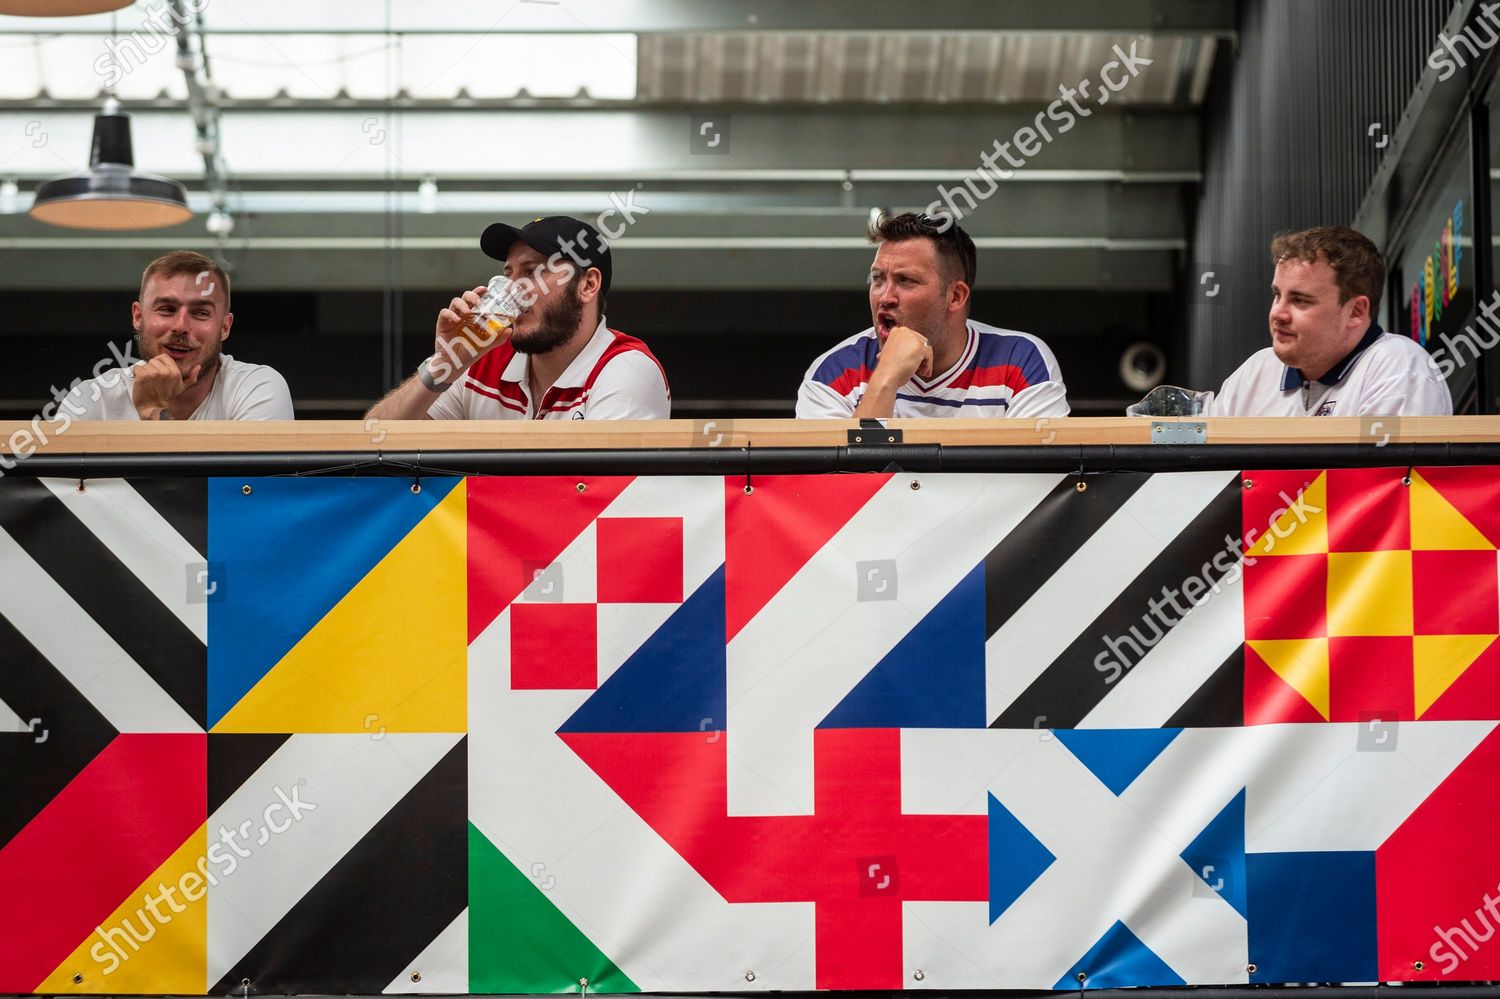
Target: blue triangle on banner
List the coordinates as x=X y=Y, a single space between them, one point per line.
x=1117 y=961
x=290 y=550
x=1217 y=855
x=934 y=677
x=674 y=682
x=1116 y=756
x=1017 y=858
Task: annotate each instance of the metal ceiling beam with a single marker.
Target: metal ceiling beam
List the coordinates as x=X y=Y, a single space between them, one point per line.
x=626 y=145
x=271 y=17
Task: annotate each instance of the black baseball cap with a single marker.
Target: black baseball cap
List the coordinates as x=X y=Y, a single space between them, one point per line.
x=577 y=241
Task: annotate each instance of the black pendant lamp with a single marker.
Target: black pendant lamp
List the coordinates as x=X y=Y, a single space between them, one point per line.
x=111 y=195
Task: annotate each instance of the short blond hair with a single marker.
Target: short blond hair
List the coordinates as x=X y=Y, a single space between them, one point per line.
x=185 y=262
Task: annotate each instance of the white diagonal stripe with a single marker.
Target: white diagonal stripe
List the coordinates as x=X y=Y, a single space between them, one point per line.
x=142 y=539
x=1090 y=581
x=81 y=650
x=1147 y=695
x=10 y=721
x=443 y=965
x=351 y=780
x=814 y=641
x=601 y=864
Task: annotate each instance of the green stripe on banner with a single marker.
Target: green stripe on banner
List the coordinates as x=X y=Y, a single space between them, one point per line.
x=518 y=940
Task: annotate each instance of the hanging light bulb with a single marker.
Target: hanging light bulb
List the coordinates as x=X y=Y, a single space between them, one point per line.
x=111 y=195
x=427 y=194
x=9 y=192
x=60 y=8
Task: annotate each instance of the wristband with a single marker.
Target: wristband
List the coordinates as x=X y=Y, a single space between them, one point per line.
x=424 y=372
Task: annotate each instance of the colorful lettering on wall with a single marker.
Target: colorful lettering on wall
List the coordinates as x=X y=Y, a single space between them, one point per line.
x=1438 y=285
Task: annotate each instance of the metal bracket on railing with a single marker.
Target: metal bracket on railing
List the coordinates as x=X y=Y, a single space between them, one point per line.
x=872 y=432
x=1188 y=432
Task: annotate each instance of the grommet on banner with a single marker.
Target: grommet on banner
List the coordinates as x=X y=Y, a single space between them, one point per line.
x=919 y=974
x=416 y=475
x=1082 y=977
x=1406 y=479
x=581 y=487
x=1419 y=965
x=1250 y=968
x=749 y=976
x=1249 y=484
x=246 y=490
x=915 y=485
x=583 y=986
x=748 y=487
x=416 y=976
x=77 y=979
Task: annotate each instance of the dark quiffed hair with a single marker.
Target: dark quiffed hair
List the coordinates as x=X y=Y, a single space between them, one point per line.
x=187 y=262
x=954 y=247
x=1358 y=267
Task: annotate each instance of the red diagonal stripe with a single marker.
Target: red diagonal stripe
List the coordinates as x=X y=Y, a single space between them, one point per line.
x=93 y=845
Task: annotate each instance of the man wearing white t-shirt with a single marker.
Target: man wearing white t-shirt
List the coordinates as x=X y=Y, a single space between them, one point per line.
x=1328 y=355
x=559 y=361
x=181 y=322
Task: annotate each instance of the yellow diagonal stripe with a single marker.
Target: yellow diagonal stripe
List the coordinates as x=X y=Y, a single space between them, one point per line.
x=1437 y=526
x=138 y=950
x=392 y=655
x=1438 y=660
x=1303 y=528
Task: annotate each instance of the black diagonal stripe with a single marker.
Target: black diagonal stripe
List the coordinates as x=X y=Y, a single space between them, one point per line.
x=108 y=592
x=72 y=731
x=1050 y=535
x=380 y=906
x=1220 y=702
x=233 y=758
x=1081 y=676
x=183 y=503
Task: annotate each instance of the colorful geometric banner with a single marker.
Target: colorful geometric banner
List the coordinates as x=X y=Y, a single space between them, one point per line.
x=524 y=735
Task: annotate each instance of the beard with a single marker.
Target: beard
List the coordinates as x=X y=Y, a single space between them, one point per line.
x=210 y=358
x=556 y=326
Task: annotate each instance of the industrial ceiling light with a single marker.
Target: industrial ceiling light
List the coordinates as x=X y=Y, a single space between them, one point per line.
x=60 y=8
x=111 y=195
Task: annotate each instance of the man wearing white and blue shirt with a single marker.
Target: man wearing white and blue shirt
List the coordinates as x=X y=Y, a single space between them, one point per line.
x=923 y=356
x=1328 y=355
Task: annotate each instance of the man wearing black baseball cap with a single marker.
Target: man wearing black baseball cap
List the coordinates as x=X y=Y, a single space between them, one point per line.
x=557 y=361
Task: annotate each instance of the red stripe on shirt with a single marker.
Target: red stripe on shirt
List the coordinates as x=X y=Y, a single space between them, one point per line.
x=1000 y=374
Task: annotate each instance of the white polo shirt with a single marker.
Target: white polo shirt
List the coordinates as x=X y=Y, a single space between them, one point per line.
x=241 y=391
x=615 y=377
x=1385 y=375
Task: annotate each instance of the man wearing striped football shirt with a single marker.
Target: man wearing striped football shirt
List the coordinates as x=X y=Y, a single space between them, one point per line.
x=923 y=355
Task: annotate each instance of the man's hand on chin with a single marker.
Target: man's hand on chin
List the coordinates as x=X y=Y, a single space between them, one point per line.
x=158 y=382
x=905 y=352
